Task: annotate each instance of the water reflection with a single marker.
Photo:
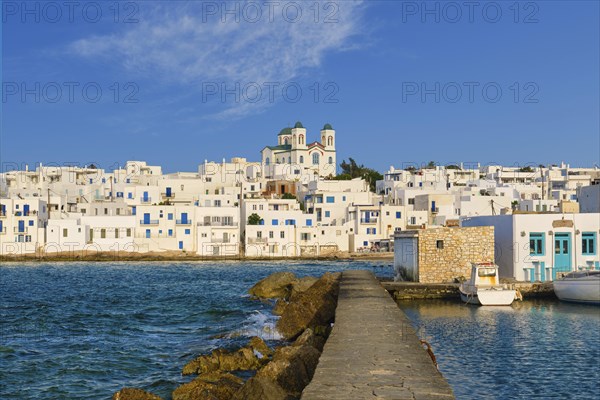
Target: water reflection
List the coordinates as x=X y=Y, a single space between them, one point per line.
x=534 y=349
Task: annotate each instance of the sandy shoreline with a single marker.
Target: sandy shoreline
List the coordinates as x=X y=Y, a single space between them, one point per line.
x=179 y=256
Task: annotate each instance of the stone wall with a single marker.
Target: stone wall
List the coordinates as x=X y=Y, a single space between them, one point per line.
x=443 y=262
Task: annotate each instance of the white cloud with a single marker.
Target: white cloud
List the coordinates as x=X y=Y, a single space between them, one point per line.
x=187 y=45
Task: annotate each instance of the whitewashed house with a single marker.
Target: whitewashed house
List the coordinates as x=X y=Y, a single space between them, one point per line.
x=539 y=247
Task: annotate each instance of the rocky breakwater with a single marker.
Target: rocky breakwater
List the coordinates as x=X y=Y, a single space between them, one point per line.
x=307 y=309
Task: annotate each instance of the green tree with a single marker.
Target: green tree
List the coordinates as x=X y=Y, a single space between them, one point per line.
x=351 y=170
x=254 y=219
x=288 y=196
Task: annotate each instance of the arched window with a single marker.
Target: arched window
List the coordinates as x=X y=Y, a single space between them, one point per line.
x=330 y=141
x=285 y=141
x=330 y=160
x=268 y=161
x=301 y=159
x=301 y=139
x=315 y=158
x=277 y=161
x=289 y=160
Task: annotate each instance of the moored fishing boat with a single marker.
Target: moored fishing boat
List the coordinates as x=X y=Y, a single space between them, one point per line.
x=579 y=287
x=484 y=288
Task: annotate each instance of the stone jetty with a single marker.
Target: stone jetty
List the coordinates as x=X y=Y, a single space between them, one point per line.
x=373 y=351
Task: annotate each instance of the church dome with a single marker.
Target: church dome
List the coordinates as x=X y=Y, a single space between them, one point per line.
x=298 y=125
x=285 y=131
x=327 y=127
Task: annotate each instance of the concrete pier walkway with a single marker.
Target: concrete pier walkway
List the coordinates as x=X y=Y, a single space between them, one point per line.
x=373 y=351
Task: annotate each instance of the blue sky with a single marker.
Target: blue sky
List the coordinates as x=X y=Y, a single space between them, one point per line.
x=401 y=82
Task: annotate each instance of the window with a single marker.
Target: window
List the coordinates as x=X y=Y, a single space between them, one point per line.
x=282 y=234
x=309 y=222
x=275 y=222
x=343 y=198
x=365 y=243
x=187 y=231
x=259 y=234
x=305 y=236
x=170 y=216
x=588 y=243
x=30 y=222
x=128 y=232
x=117 y=233
x=130 y=195
x=315 y=158
x=327 y=214
x=411 y=201
x=330 y=141
x=330 y=160
x=413 y=220
x=330 y=199
x=170 y=232
x=398 y=214
x=103 y=233
x=439 y=244
x=270 y=234
x=536 y=244
x=267 y=161
x=301 y=159
x=65 y=232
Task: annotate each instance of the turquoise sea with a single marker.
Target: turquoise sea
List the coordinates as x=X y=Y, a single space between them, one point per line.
x=84 y=330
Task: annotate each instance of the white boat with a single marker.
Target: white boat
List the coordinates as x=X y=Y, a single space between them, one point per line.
x=579 y=286
x=484 y=288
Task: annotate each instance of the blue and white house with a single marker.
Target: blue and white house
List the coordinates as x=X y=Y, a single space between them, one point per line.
x=541 y=247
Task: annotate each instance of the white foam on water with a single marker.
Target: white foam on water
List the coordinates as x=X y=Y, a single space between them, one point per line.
x=261 y=325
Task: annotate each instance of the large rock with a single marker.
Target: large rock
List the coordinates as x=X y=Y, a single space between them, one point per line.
x=274 y=286
x=261 y=388
x=279 y=307
x=134 y=394
x=211 y=386
x=309 y=337
x=311 y=308
x=302 y=285
x=259 y=346
x=292 y=368
x=221 y=360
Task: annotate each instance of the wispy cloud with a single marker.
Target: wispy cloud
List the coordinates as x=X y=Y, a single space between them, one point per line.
x=190 y=44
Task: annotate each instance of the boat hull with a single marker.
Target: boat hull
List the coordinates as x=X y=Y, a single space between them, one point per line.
x=578 y=290
x=493 y=297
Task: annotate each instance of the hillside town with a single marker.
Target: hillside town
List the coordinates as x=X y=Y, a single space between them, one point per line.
x=293 y=203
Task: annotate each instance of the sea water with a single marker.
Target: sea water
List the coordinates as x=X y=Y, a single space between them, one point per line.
x=85 y=330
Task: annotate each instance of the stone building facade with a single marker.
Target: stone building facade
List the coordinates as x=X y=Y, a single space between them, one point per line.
x=441 y=255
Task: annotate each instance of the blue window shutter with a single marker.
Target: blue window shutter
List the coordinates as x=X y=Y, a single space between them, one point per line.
x=309 y=222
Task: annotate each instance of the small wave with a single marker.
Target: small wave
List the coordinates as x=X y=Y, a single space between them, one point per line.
x=259 y=324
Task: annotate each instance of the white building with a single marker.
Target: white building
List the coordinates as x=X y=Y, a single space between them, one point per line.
x=294 y=157
x=538 y=247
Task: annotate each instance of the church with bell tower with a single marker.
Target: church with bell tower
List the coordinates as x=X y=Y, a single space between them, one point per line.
x=293 y=155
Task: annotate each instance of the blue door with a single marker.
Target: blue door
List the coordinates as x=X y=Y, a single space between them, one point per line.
x=180 y=245
x=184 y=219
x=21 y=226
x=562 y=253
x=25 y=209
x=145 y=197
x=433 y=206
x=133 y=210
x=147 y=233
x=168 y=192
x=146 y=218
